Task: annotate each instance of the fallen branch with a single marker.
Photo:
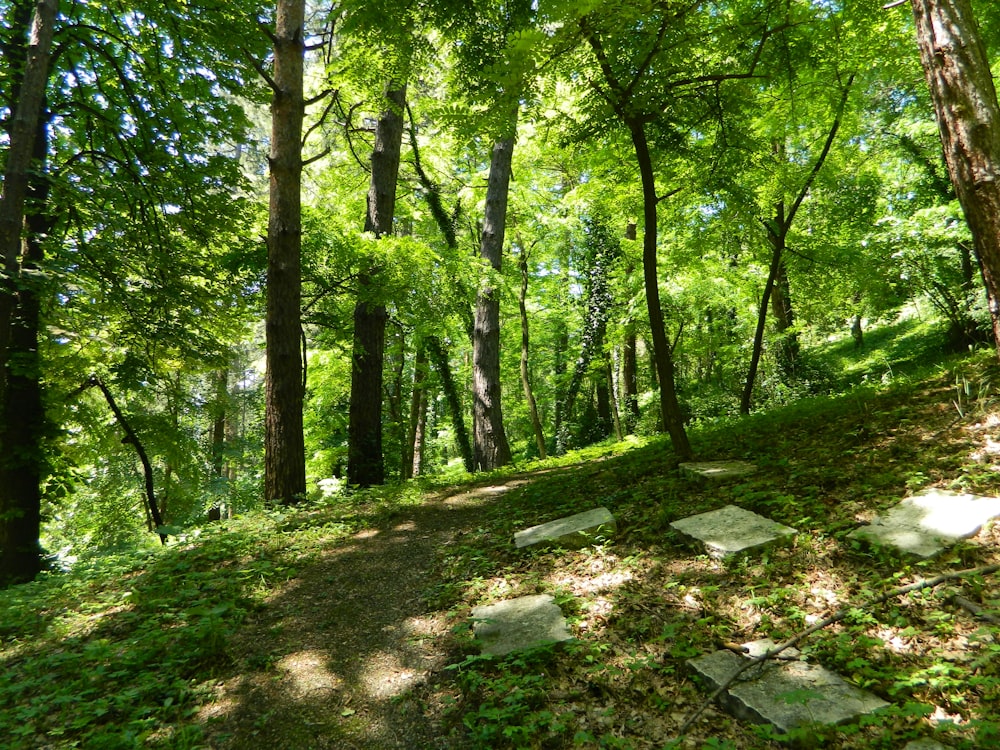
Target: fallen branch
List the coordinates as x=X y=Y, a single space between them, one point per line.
x=974 y=608
x=837 y=616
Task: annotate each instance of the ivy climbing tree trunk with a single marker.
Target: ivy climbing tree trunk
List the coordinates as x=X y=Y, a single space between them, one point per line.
x=968 y=117
x=21 y=411
x=284 y=445
x=365 y=463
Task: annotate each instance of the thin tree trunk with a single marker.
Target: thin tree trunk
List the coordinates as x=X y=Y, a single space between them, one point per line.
x=132 y=439
x=776 y=236
x=669 y=407
x=418 y=414
x=365 y=463
x=284 y=444
x=630 y=370
x=220 y=407
x=968 y=117
x=490 y=445
x=615 y=416
x=777 y=233
x=439 y=357
x=536 y=423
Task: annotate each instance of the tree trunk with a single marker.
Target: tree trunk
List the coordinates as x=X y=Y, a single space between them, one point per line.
x=439 y=356
x=418 y=414
x=536 y=423
x=220 y=407
x=630 y=370
x=490 y=442
x=365 y=463
x=669 y=407
x=776 y=236
x=284 y=446
x=21 y=412
x=968 y=116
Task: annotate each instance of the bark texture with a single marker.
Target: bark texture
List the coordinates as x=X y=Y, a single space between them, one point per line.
x=365 y=462
x=284 y=447
x=490 y=441
x=968 y=116
x=21 y=412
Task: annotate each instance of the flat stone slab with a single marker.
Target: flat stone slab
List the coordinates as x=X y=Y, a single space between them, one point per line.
x=573 y=531
x=928 y=522
x=730 y=530
x=517 y=624
x=784 y=694
x=717 y=470
x=925 y=743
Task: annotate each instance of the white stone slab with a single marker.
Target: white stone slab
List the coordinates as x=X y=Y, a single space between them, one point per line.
x=516 y=624
x=717 y=470
x=573 y=531
x=730 y=530
x=784 y=694
x=930 y=521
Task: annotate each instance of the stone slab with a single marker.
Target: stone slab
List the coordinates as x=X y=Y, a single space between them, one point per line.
x=573 y=531
x=730 y=530
x=928 y=522
x=784 y=694
x=717 y=471
x=517 y=624
x=925 y=743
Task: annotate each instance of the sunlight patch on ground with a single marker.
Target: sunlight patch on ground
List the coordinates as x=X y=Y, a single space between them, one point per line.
x=308 y=673
x=383 y=676
x=408 y=526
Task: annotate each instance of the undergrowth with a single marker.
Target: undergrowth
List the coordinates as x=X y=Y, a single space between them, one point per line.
x=127 y=651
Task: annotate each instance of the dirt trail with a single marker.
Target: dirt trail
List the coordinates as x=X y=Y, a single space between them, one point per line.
x=338 y=657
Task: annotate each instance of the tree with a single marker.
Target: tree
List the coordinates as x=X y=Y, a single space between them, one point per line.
x=365 y=465
x=284 y=446
x=21 y=412
x=965 y=103
x=490 y=441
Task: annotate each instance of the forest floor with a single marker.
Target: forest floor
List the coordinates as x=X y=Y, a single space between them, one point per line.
x=345 y=622
x=346 y=649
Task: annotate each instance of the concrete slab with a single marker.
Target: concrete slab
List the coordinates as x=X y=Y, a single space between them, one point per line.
x=730 y=530
x=517 y=624
x=717 y=471
x=784 y=694
x=573 y=531
x=928 y=522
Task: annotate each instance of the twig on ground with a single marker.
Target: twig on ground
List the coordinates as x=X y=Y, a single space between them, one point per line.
x=837 y=616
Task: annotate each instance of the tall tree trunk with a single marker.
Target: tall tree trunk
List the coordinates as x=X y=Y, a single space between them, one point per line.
x=670 y=409
x=490 y=442
x=284 y=443
x=22 y=415
x=968 y=117
x=365 y=463
x=529 y=396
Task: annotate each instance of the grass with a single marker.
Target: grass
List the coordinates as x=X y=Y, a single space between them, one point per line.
x=126 y=651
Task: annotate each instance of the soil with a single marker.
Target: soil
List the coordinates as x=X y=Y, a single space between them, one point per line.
x=343 y=655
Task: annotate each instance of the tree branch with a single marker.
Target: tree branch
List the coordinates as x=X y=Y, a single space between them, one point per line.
x=837 y=616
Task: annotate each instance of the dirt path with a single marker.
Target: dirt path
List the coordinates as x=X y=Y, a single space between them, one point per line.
x=339 y=656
